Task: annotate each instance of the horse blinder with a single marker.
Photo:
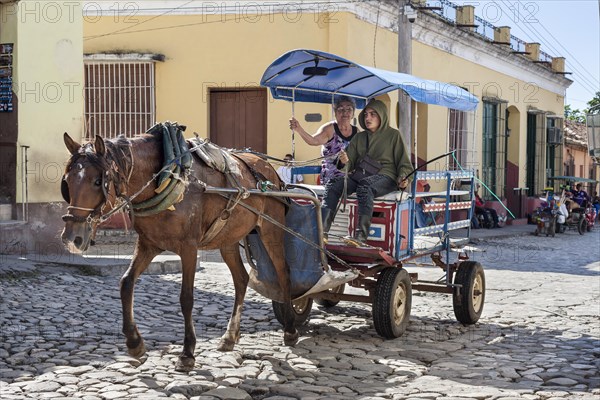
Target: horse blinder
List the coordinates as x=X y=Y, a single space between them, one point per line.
x=64 y=190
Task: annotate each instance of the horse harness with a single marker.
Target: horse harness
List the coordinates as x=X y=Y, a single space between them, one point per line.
x=172 y=180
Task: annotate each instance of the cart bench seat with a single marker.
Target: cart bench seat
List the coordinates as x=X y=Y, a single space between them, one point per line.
x=393 y=196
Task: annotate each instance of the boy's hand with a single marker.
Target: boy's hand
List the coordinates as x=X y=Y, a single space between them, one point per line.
x=343 y=157
x=402 y=184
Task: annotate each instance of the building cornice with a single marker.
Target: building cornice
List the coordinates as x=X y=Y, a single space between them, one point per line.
x=428 y=29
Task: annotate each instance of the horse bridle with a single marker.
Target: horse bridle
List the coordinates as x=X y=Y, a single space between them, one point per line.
x=95 y=214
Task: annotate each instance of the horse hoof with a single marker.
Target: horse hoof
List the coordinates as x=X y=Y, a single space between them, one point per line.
x=185 y=364
x=226 y=345
x=290 y=339
x=137 y=351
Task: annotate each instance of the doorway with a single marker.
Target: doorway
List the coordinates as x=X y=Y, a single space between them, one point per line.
x=238 y=118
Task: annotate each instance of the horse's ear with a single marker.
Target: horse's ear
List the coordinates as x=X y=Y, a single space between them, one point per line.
x=99 y=146
x=72 y=145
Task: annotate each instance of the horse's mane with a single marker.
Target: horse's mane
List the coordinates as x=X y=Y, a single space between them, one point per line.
x=118 y=159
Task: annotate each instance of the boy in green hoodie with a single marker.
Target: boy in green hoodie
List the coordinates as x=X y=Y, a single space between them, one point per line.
x=383 y=144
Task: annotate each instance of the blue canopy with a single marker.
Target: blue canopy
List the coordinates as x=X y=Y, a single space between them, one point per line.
x=318 y=77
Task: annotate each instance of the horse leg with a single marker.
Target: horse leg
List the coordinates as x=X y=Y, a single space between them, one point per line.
x=142 y=256
x=231 y=256
x=189 y=258
x=272 y=239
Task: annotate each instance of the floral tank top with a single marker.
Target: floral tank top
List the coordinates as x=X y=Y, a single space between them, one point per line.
x=336 y=144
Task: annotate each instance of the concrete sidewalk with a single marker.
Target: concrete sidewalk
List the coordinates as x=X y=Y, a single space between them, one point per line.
x=113 y=253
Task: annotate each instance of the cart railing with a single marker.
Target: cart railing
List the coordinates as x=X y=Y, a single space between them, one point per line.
x=451 y=203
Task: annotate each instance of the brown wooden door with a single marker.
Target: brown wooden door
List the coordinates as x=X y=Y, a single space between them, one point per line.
x=238 y=118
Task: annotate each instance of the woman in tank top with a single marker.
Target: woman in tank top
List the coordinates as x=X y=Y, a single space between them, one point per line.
x=334 y=136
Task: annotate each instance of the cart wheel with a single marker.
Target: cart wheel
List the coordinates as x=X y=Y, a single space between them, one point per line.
x=581 y=225
x=301 y=309
x=392 y=302
x=468 y=300
x=330 y=303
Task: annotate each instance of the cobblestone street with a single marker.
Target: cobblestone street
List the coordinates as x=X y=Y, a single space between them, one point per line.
x=538 y=337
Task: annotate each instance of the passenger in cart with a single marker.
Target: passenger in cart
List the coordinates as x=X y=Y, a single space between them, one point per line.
x=334 y=136
x=378 y=164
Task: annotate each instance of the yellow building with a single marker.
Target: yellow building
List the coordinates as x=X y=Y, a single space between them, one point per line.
x=577 y=159
x=42 y=44
x=200 y=63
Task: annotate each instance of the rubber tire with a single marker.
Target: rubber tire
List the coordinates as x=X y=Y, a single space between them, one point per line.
x=392 y=302
x=581 y=225
x=331 y=303
x=469 y=275
x=301 y=309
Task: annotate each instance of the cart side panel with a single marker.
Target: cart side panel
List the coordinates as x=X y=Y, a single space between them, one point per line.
x=390 y=225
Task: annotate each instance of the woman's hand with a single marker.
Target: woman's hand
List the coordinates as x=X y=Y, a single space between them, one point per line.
x=343 y=157
x=294 y=124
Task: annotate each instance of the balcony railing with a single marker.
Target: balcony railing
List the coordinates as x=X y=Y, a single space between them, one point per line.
x=447 y=11
x=484 y=29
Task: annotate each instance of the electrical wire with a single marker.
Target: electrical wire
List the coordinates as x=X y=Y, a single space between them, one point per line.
x=375 y=35
x=535 y=33
x=125 y=30
x=139 y=23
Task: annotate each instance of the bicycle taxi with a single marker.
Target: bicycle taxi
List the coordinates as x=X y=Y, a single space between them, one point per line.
x=321 y=272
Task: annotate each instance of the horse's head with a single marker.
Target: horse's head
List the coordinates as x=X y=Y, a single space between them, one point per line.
x=85 y=186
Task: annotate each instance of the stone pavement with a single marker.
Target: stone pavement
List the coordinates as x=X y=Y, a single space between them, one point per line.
x=538 y=338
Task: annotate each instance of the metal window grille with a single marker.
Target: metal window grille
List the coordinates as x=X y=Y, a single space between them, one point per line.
x=494 y=148
x=536 y=152
x=119 y=98
x=458 y=138
x=554 y=148
x=540 y=150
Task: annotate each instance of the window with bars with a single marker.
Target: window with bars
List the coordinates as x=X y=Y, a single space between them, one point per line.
x=554 y=148
x=458 y=138
x=494 y=148
x=536 y=152
x=119 y=97
x=570 y=165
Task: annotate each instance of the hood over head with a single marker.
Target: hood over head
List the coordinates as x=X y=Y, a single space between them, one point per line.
x=381 y=110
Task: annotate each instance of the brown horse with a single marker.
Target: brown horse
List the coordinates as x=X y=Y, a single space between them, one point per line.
x=100 y=173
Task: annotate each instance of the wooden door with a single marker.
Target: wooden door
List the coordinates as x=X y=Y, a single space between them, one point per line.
x=238 y=118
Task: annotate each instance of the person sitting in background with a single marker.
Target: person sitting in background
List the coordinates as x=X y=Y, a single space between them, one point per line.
x=285 y=171
x=334 y=136
x=596 y=203
x=475 y=222
x=485 y=212
x=423 y=219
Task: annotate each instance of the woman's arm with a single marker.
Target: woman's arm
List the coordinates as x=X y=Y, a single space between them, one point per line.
x=322 y=136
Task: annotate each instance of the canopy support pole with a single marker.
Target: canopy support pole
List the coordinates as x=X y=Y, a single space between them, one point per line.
x=293 y=131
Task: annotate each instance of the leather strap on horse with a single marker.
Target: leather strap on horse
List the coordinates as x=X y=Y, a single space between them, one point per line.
x=219 y=223
x=242 y=194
